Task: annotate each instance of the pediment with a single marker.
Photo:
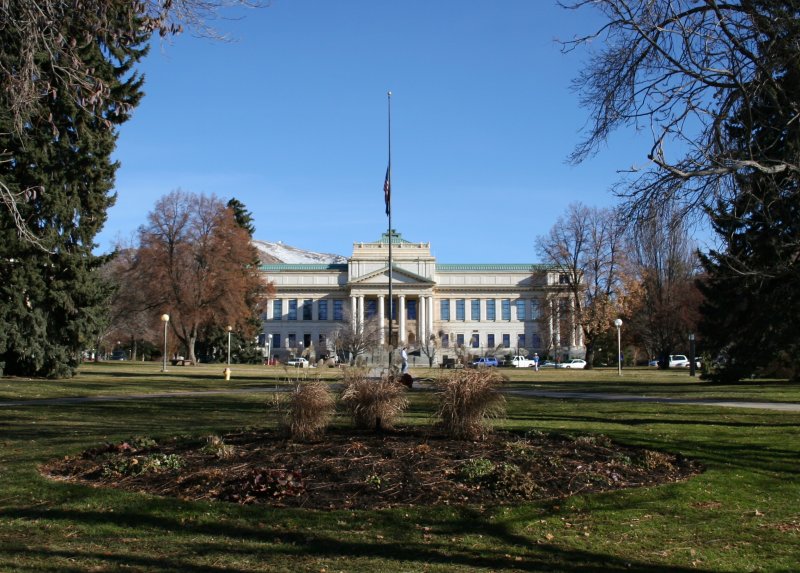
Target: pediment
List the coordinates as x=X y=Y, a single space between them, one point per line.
x=399 y=277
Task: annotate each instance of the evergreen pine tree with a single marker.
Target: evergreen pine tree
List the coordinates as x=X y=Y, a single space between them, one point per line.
x=51 y=300
x=244 y=218
x=751 y=291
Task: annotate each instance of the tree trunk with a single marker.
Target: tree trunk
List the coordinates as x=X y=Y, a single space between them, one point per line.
x=190 y=345
x=589 y=353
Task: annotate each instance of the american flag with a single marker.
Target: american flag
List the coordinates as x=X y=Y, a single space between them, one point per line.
x=387 y=190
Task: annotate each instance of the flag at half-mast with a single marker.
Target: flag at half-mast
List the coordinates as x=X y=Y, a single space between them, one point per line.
x=387 y=189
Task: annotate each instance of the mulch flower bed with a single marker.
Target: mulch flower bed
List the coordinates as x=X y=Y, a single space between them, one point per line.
x=349 y=469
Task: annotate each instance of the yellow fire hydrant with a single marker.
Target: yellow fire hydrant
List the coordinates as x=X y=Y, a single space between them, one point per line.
x=227 y=373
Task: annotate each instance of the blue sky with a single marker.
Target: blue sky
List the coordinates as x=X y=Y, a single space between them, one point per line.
x=290 y=117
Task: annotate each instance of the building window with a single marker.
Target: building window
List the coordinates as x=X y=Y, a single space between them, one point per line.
x=411 y=310
x=490 y=340
x=338 y=310
x=276 y=341
x=291 y=341
x=507 y=340
x=322 y=344
x=534 y=310
x=292 y=309
x=445 y=309
x=307 y=340
x=460 y=314
x=308 y=305
x=459 y=340
x=563 y=279
x=476 y=309
x=536 y=341
x=521 y=309
x=277 y=309
x=491 y=311
x=475 y=340
x=520 y=341
x=506 y=309
x=372 y=308
x=322 y=309
x=445 y=341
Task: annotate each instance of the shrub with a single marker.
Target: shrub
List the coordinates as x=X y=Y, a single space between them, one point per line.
x=468 y=398
x=311 y=408
x=476 y=470
x=217 y=447
x=152 y=463
x=370 y=402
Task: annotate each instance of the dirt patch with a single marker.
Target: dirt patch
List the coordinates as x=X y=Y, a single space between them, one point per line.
x=351 y=469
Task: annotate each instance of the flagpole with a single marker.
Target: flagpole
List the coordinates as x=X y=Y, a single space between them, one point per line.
x=388 y=197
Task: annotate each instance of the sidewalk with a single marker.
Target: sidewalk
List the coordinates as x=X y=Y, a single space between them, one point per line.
x=778 y=406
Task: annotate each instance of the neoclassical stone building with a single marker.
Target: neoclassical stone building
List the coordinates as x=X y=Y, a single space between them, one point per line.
x=521 y=306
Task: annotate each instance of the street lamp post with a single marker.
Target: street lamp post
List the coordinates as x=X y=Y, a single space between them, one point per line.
x=618 y=324
x=230 y=329
x=691 y=354
x=165 y=320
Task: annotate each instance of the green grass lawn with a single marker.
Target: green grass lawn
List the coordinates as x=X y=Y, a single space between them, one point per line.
x=742 y=514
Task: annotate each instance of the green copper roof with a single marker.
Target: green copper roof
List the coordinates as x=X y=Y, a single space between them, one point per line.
x=303 y=267
x=396 y=238
x=525 y=267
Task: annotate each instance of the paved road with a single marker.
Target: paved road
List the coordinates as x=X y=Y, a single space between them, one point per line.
x=780 y=406
x=783 y=406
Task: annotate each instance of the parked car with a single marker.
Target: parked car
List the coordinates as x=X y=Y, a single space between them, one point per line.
x=521 y=362
x=574 y=363
x=119 y=355
x=485 y=361
x=680 y=361
x=298 y=362
x=547 y=364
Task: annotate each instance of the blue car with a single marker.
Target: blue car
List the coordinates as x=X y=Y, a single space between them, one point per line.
x=486 y=361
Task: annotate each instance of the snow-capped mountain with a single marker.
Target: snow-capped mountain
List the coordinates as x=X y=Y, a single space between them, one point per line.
x=270 y=253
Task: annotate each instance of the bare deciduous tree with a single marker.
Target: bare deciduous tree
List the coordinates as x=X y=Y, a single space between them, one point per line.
x=354 y=339
x=430 y=348
x=585 y=245
x=683 y=69
x=663 y=306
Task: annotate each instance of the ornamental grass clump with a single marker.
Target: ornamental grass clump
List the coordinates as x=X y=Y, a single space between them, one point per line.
x=467 y=400
x=311 y=409
x=372 y=402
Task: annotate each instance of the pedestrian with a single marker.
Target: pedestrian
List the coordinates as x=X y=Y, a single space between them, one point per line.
x=536 y=361
x=403 y=361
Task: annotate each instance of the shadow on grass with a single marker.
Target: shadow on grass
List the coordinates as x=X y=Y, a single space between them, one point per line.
x=510 y=551
x=742 y=439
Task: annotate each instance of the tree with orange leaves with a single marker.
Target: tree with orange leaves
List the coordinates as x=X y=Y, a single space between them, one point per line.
x=195 y=263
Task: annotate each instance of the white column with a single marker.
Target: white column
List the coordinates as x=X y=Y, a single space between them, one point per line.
x=354 y=311
x=361 y=313
x=401 y=318
x=421 y=319
x=551 y=324
x=270 y=308
x=428 y=316
x=314 y=309
x=381 y=321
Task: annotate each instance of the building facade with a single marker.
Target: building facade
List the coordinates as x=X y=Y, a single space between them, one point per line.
x=524 y=308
